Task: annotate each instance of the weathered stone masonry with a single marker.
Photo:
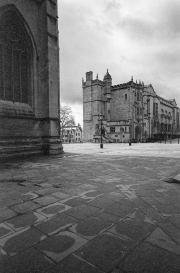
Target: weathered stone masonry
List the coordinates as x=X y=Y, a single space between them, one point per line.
x=131 y=111
x=29 y=78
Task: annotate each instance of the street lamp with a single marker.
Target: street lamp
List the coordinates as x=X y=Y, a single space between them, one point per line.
x=100 y=119
x=130 y=131
x=149 y=114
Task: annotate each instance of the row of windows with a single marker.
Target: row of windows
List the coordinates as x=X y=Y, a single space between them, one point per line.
x=113 y=129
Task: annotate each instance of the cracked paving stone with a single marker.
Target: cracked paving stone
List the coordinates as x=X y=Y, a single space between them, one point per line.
x=74 y=264
x=28 y=261
x=106 y=251
x=82 y=211
x=24 y=220
x=90 y=227
x=61 y=245
x=151 y=259
x=132 y=229
x=21 y=240
x=53 y=209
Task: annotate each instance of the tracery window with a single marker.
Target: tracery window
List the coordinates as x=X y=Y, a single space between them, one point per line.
x=15 y=59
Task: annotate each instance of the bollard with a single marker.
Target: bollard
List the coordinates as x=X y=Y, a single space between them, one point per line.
x=129 y=143
x=178 y=140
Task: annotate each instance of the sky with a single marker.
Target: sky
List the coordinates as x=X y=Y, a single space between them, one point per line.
x=139 y=38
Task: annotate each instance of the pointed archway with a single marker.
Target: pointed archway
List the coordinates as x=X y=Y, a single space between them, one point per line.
x=16 y=57
x=138 y=133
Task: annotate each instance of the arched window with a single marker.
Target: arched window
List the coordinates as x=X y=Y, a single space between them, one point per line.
x=15 y=57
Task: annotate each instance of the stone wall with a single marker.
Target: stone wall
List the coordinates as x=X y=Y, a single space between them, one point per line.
x=33 y=127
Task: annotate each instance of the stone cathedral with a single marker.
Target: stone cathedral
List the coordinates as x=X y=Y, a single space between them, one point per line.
x=29 y=78
x=130 y=112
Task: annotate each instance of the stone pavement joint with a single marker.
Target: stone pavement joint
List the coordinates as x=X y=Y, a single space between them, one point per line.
x=92 y=212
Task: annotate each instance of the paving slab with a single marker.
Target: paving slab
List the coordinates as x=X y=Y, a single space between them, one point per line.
x=166 y=209
x=21 y=240
x=61 y=245
x=60 y=195
x=107 y=217
x=46 y=200
x=147 y=258
x=174 y=219
x=90 y=227
x=6 y=213
x=120 y=210
x=53 y=209
x=74 y=201
x=139 y=231
x=28 y=261
x=74 y=264
x=24 y=220
x=102 y=202
x=82 y=211
x=159 y=238
x=97 y=211
x=106 y=251
x=5 y=230
x=55 y=224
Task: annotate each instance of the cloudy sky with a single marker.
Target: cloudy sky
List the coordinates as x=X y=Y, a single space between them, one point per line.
x=139 y=38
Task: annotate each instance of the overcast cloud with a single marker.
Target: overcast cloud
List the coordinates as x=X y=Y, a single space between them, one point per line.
x=139 y=38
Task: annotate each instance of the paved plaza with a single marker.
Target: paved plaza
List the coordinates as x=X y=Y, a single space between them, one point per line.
x=92 y=210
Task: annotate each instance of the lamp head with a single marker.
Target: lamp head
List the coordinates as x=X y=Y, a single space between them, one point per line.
x=100 y=117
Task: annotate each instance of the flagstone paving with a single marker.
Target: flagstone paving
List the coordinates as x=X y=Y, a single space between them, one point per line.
x=106 y=211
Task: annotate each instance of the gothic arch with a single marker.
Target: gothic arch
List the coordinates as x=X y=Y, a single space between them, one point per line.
x=138 y=133
x=17 y=50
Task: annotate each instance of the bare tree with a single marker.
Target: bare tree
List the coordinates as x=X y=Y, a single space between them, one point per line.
x=66 y=117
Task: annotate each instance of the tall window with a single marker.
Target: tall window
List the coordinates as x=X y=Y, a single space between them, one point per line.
x=155 y=109
x=138 y=95
x=138 y=111
x=15 y=58
x=112 y=129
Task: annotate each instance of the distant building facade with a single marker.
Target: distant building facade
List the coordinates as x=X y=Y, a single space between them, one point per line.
x=131 y=111
x=29 y=78
x=72 y=134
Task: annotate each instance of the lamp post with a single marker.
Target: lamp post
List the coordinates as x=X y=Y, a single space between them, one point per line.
x=130 y=131
x=100 y=119
x=149 y=125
